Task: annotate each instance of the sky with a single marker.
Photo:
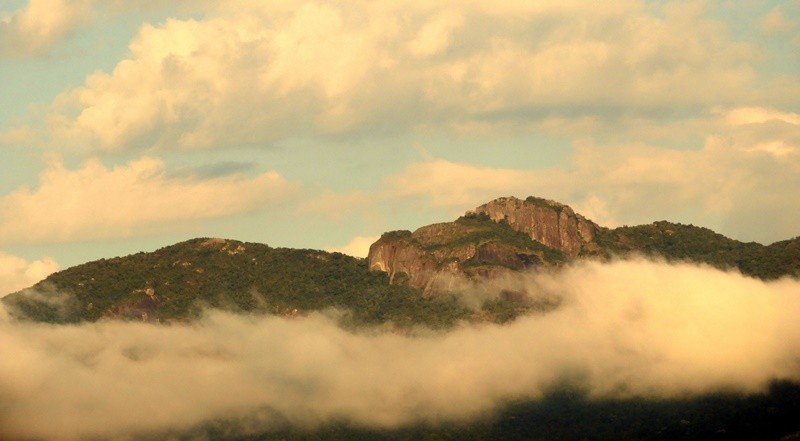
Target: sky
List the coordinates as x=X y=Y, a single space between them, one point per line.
x=130 y=125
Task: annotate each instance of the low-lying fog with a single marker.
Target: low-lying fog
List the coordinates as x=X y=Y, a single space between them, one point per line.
x=627 y=328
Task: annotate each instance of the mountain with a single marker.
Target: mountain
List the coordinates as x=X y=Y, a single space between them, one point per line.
x=512 y=234
x=506 y=234
x=422 y=278
x=472 y=245
x=548 y=222
x=697 y=244
x=174 y=284
x=404 y=281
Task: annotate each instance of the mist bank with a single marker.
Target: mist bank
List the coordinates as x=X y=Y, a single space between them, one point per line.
x=625 y=329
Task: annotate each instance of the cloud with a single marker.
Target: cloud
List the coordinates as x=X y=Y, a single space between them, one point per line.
x=737 y=183
x=357 y=247
x=94 y=201
x=759 y=115
x=17 y=273
x=433 y=184
x=40 y=24
x=436 y=35
x=271 y=72
x=214 y=170
x=776 y=22
x=737 y=180
x=624 y=329
x=456 y=185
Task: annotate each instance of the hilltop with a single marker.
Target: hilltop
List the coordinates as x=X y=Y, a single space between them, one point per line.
x=510 y=234
x=408 y=278
x=176 y=282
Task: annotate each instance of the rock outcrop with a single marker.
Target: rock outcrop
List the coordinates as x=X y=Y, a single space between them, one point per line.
x=397 y=254
x=437 y=256
x=548 y=222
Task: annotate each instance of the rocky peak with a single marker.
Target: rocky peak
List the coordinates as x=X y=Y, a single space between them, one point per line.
x=548 y=222
x=473 y=246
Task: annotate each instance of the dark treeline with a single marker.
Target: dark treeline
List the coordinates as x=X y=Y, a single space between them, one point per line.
x=568 y=415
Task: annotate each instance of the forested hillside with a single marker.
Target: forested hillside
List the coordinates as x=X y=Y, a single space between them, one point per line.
x=675 y=241
x=176 y=282
x=408 y=278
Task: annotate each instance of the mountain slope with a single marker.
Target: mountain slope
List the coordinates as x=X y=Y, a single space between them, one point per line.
x=175 y=282
x=555 y=234
x=473 y=245
x=548 y=222
x=405 y=280
x=674 y=241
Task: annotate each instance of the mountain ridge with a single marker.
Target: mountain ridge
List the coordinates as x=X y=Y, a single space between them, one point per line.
x=405 y=279
x=567 y=236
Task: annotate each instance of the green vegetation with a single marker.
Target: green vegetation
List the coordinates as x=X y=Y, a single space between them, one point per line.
x=477 y=244
x=497 y=243
x=542 y=202
x=243 y=277
x=396 y=235
x=680 y=242
x=175 y=283
x=505 y=310
x=487 y=230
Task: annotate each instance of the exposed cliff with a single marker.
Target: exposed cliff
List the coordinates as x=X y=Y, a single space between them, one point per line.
x=548 y=222
x=509 y=234
x=434 y=257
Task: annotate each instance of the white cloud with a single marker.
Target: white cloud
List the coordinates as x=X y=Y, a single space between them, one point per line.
x=775 y=21
x=94 y=201
x=17 y=273
x=451 y=184
x=271 y=71
x=357 y=247
x=738 y=182
x=40 y=24
x=758 y=115
x=436 y=35
x=624 y=329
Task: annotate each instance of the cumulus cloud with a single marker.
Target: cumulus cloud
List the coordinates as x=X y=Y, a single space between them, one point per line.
x=36 y=27
x=41 y=25
x=775 y=20
x=747 y=168
x=357 y=247
x=435 y=36
x=624 y=329
x=270 y=71
x=452 y=184
x=95 y=201
x=432 y=183
x=759 y=115
x=17 y=273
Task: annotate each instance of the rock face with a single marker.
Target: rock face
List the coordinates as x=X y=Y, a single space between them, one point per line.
x=396 y=253
x=481 y=244
x=548 y=222
x=409 y=258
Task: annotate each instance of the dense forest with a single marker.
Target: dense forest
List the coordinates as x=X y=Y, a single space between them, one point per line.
x=697 y=244
x=568 y=415
x=176 y=282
